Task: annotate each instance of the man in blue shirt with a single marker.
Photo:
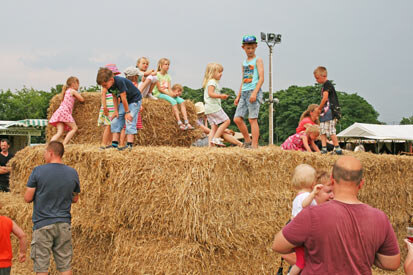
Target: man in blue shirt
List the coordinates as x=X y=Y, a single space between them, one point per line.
x=52 y=188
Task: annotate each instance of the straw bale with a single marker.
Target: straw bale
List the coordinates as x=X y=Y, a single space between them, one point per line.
x=216 y=208
x=159 y=124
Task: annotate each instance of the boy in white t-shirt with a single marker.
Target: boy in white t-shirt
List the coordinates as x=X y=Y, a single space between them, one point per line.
x=304 y=180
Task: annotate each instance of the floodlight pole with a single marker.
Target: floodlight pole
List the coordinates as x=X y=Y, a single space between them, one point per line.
x=271 y=110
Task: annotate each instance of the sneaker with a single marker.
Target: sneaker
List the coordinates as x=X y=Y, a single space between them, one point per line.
x=152 y=97
x=182 y=126
x=217 y=142
x=338 y=152
x=124 y=148
x=323 y=152
x=247 y=145
x=189 y=127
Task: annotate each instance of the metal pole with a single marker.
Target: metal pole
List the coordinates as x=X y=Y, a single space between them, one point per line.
x=271 y=116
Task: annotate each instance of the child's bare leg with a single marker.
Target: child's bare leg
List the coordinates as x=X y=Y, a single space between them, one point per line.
x=323 y=140
x=144 y=85
x=295 y=270
x=242 y=128
x=115 y=137
x=60 y=129
x=151 y=88
x=334 y=140
x=255 y=132
x=107 y=136
x=176 y=112
x=130 y=138
x=122 y=138
x=214 y=128
x=183 y=111
x=231 y=139
x=222 y=128
x=71 y=133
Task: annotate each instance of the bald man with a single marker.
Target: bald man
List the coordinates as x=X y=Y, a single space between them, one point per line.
x=344 y=235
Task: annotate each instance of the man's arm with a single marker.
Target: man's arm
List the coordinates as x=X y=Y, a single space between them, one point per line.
x=387 y=262
x=22 y=241
x=281 y=245
x=29 y=195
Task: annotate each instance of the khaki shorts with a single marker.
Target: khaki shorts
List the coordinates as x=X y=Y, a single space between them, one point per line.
x=56 y=238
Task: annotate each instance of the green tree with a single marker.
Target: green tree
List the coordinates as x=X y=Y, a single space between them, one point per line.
x=406 y=120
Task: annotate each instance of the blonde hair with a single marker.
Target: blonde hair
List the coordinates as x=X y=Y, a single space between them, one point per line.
x=211 y=70
x=303 y=176
x=69 y=82
x=177 y=86
x=320 y=70
x=322 y=177
x=140 y=59
x=307 y=112
x=161 y=62
x=312 y=129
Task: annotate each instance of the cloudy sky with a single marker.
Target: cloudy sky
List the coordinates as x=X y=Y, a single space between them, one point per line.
x=366 y=45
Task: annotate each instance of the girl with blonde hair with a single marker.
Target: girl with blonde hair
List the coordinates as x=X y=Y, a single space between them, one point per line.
x=303 y=141
x=212 y=97
x=308 y=117
x=62 y=118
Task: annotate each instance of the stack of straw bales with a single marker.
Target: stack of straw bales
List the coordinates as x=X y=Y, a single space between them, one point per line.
x=159 y=124
x=163 y=210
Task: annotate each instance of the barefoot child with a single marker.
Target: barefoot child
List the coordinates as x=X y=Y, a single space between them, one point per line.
x=7 y=226
x=303 y=141
x=163 y=90
x=107 y=111
x=127 y=111
x=148 y=80
x=216 y=116
x=249 y=97
x=62 y=118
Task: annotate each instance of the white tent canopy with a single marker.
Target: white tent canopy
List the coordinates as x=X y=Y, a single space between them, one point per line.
x=378 y=132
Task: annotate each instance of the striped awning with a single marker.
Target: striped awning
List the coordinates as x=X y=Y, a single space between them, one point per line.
x=35 y=123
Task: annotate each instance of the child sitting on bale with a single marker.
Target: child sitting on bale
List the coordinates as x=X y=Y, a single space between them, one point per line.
x=303 y=141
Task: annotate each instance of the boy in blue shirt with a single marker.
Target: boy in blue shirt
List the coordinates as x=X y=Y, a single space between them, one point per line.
x=127 y=111
x=249 y=97
x=328 y=109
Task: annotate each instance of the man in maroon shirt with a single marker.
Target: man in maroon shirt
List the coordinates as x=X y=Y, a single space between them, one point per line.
x=342 y=236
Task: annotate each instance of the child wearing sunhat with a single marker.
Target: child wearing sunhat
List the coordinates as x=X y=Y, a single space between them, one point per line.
x=249 y=98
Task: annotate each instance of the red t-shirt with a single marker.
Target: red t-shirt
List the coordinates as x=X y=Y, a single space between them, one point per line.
x=6 y=226
x=341 y=238
x=303 y=122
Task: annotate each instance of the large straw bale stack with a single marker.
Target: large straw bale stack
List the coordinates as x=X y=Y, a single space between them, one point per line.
x=159 y=124
x=165 y=210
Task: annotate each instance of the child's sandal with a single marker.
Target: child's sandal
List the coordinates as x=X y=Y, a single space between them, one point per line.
x=189 y=127
x=182 y=127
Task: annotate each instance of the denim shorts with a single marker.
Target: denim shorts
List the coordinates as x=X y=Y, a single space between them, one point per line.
x=172 y=100
x=246 y=107
x=119 y=122
x=56 y=238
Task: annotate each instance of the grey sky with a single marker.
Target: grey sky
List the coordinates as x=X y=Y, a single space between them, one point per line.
x=365 y=45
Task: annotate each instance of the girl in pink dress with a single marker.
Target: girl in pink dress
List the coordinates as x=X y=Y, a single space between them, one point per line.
x=62 y=118
x=303 y=141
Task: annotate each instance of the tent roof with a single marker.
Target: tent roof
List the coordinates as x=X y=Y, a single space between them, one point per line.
x=26 y=123
x=378 y=132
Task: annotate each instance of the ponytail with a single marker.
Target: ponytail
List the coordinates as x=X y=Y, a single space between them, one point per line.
x=64 y=88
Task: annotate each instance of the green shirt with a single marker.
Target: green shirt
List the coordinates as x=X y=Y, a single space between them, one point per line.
x=212 y=105
x=163 y=79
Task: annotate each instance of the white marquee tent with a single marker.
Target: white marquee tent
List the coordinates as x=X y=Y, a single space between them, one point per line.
x=378 y=132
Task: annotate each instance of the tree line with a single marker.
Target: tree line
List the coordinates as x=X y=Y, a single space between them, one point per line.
x=30 y=103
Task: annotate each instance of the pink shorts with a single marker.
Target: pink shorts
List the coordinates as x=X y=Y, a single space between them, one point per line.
x=299 y=253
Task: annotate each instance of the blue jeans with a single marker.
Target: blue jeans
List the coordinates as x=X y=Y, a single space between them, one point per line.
x=246 y=107
x=118 y=122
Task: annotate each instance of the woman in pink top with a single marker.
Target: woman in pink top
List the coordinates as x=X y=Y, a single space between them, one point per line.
x=309 y=116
